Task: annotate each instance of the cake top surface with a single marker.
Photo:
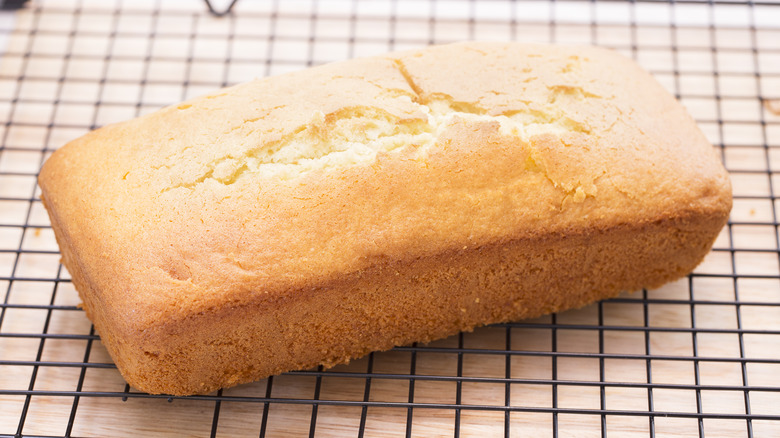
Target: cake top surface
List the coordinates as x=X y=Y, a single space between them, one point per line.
x=267 y=187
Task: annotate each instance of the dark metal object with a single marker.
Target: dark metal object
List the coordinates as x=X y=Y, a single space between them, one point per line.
x=222 y=12
x=12 y=4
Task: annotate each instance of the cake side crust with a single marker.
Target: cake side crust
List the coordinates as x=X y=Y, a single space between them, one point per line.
x=379 y=308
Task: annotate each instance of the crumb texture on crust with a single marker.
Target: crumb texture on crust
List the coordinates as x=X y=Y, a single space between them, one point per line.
x=356 y=134
x=258 y=196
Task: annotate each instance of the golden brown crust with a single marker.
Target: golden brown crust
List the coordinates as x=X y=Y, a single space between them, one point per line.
x=312 y=217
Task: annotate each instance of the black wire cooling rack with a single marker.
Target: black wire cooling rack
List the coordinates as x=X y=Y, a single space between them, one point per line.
x=699 y=357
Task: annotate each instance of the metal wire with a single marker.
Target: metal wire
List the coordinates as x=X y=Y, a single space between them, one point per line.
x=691 y=360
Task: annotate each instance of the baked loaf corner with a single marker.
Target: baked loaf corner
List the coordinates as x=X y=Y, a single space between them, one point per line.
x=313 y=217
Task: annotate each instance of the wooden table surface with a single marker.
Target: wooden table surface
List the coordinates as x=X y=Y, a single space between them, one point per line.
x=686 y=351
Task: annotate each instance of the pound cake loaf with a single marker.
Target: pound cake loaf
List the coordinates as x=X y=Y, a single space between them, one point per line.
x=313 y=217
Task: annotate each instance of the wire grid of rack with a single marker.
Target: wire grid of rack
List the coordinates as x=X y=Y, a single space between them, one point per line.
x=699 y=357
